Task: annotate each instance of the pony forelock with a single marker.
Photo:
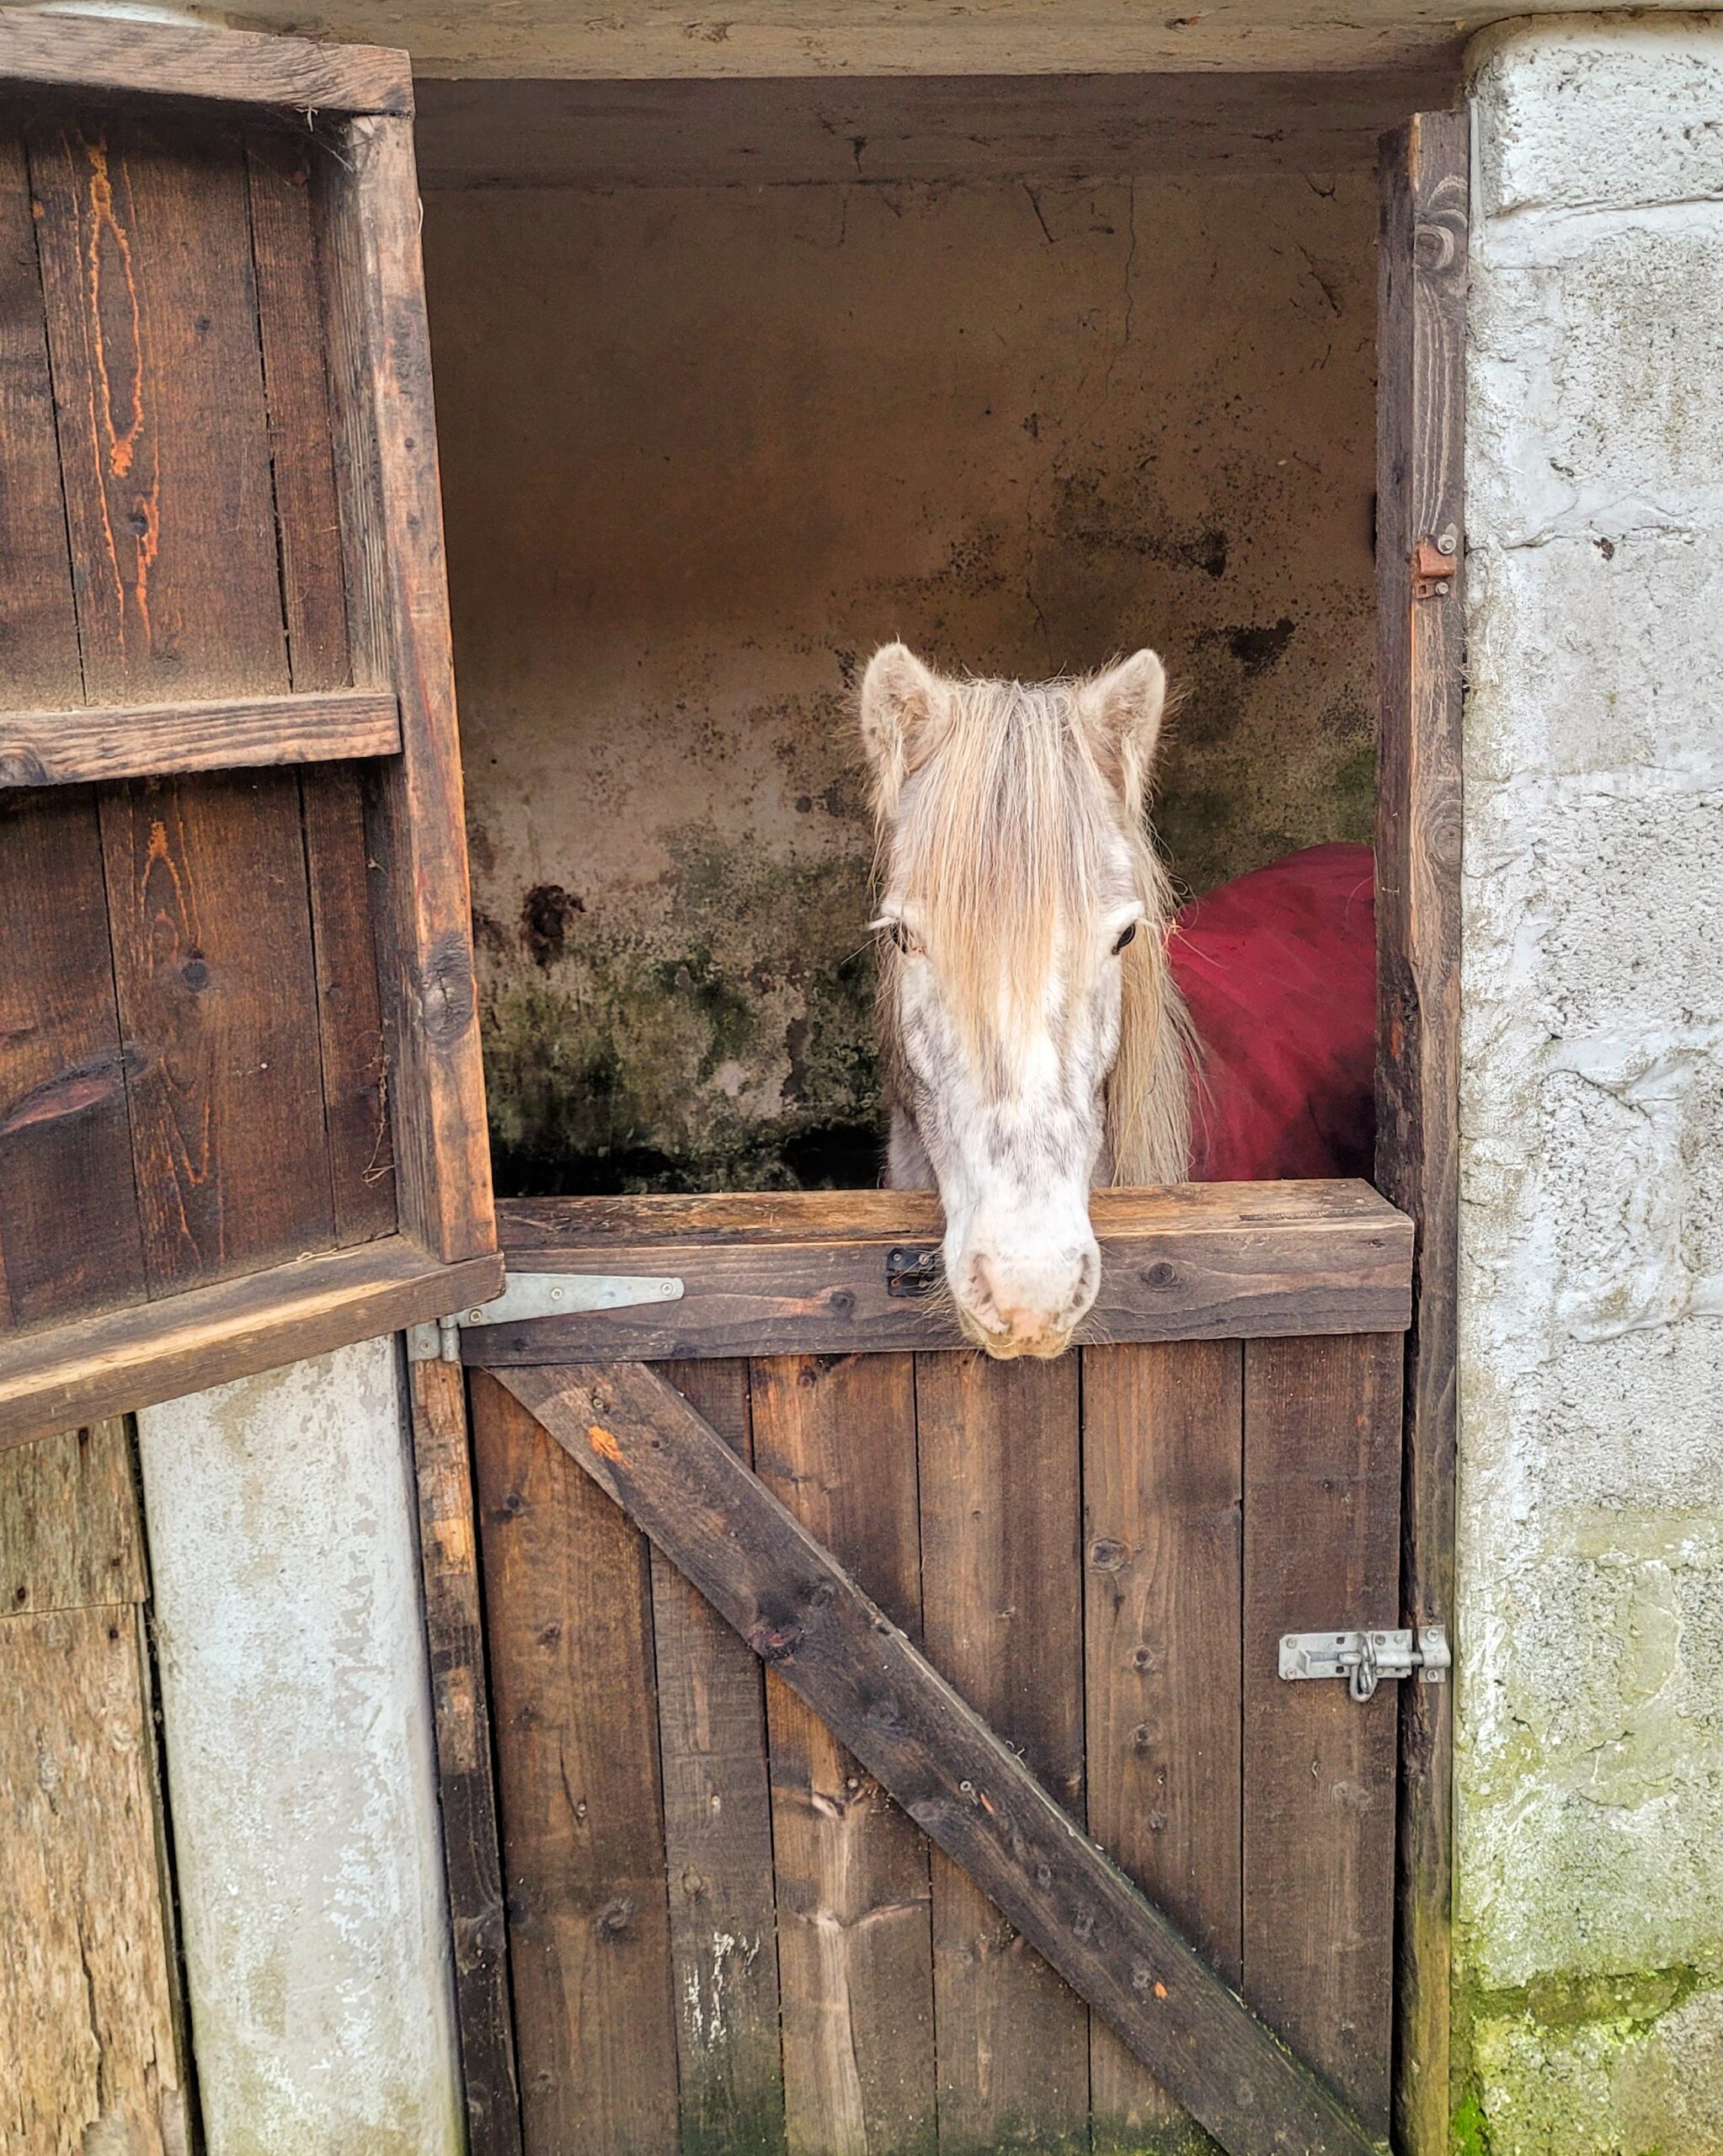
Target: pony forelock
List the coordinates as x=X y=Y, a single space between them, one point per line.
x=1007 y=835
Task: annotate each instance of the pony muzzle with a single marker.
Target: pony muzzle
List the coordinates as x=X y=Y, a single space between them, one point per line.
x=1014 y=1300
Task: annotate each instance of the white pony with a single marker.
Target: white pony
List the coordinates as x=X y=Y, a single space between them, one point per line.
x=1035 y=1043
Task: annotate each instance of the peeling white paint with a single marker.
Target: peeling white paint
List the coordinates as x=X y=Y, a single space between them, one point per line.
x=705 y=1987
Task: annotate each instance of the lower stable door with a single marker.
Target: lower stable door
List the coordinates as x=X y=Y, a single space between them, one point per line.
x=725 y=1935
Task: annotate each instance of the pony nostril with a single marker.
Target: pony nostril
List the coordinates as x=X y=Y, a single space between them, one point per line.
x=980 y=1293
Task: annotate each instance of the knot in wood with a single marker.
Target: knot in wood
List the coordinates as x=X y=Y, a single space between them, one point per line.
x=445 y=996
x=774 y=1642
x=615 y=1916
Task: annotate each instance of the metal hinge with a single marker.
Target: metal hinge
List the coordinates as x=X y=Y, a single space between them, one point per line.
x=1365 y=1658
x=529 y=1295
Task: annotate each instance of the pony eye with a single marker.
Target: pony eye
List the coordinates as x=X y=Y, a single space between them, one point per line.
x=901 y=935
x=1125 y=937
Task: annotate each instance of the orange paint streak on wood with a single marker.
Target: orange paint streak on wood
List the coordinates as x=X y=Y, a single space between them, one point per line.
x=115 y=443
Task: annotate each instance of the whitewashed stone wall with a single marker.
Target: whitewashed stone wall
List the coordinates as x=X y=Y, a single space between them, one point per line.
x=1590 y=1849
x=296 y=1723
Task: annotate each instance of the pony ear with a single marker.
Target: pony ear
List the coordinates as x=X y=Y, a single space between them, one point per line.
x=899 y=697
x=1122 y=711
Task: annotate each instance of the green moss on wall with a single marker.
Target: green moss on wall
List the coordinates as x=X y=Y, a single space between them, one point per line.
x=1562 y=2066
x=1471 y=2131
x=723 y=1036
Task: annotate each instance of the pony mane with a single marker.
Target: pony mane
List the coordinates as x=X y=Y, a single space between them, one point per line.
x=1006 y=828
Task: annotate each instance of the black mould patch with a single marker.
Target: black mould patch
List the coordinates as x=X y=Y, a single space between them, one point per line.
x=1258 y=649
x=547 y=913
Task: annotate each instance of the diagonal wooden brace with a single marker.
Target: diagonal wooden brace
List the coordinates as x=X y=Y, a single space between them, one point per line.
x=962 y=1785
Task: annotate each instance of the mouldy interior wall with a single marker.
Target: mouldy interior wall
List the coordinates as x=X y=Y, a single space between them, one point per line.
x=706 y=443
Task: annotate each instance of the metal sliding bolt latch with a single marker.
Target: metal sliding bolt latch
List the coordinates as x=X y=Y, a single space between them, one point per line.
x=1365 y=1658
x=527 y=1296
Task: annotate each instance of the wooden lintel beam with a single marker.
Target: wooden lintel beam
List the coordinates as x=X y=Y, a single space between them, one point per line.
x=68 y=748
x=801 y=1612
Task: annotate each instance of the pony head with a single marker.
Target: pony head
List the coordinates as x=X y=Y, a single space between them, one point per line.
x=1034 y=1044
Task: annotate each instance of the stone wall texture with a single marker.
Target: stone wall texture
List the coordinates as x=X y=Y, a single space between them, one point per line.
x=1590 y=1848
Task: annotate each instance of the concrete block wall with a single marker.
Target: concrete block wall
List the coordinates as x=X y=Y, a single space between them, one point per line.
x=1589 y=1897
x=295 y=1702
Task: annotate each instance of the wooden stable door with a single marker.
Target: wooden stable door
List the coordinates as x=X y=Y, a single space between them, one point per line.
x=769 y=1881
x=241 y=1116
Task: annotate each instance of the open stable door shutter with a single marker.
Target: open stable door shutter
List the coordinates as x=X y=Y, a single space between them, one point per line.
x=242 y=1115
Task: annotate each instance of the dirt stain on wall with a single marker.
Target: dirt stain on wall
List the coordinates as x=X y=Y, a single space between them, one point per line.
x=704 y=448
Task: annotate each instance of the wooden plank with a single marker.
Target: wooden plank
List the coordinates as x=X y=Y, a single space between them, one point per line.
x=164 y=448
x=70 y=1532
x=717 y=1837
x=211 y=939
x=133 y=1358
x=69 y=1238
x=1201 y=1261
x=545 y=1226
x=87 y=2024
x=448 y=1549
x=39 y=661
x=296 y=392
x=1421 y=480
x=152 y=329
x=762 y=38
x=356 y=1105
x=1001 y=1520
x=1042 y=128
x=1163 y=1431
x=842 y=1654
x=835 y=1438
x=314 y=595
x=1322 y=1549
x=236 y=66
x=569 y=1626
x=398 y=615
x=65 y=748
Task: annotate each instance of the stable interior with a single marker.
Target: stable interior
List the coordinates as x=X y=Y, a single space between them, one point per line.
x=737 y=381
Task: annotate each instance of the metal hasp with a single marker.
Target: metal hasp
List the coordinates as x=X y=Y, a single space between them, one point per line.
x=1365 y=1658
x=529 y=1295
x=913 y=1272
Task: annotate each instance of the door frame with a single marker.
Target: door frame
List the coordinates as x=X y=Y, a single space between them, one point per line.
x=1419 y=552
x=1425 y=177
